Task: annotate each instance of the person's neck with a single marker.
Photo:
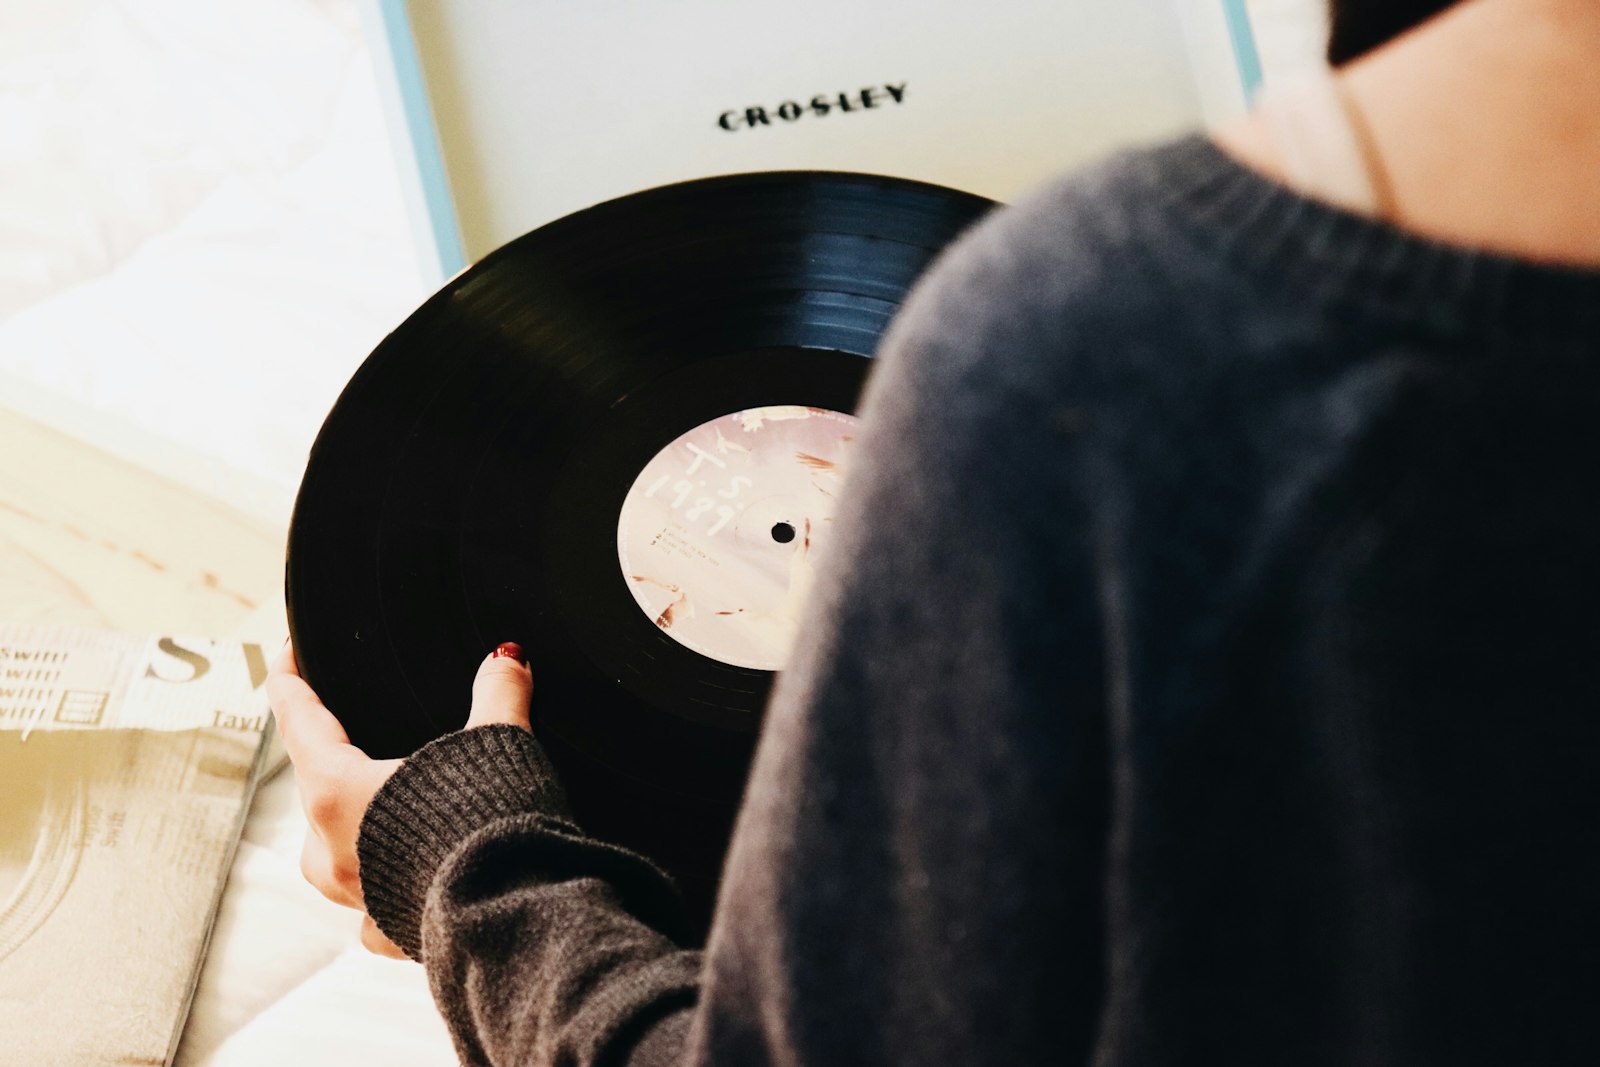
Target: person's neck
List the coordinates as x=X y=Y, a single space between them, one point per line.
x=1487 y=122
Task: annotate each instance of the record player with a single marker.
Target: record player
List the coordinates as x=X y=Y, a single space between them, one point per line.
x=512 y=115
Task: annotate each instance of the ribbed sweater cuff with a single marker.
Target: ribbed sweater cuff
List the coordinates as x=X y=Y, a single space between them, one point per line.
x=448 y=790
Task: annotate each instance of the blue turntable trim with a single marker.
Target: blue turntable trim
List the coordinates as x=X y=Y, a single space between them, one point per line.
x=1244 y=46
x=399 y=73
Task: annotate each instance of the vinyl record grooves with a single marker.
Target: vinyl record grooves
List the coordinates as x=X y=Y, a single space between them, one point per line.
x=467 y=487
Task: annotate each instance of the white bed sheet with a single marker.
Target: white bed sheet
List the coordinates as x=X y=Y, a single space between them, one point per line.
x=201 y=237
x=201 y=229
x=286 y=980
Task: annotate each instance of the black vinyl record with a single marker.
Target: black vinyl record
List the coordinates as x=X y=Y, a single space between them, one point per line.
x=468 y=485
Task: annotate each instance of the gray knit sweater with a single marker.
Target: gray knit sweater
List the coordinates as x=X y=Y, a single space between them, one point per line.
x=1206 y=674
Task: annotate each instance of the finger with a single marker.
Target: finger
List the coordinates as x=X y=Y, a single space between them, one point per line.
x=373 y=941
x=318 y=868
x=501 y=691
x=285 y=660
x=305 y=724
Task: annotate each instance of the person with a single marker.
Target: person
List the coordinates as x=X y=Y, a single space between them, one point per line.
x=1205 y=672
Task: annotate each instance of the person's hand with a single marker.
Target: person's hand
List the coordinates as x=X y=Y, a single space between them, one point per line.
x=337 y=780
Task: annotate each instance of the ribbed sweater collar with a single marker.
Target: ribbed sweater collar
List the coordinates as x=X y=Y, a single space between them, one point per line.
x=1362 y=265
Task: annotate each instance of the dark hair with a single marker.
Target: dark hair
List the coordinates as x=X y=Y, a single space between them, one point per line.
x=1359 y=26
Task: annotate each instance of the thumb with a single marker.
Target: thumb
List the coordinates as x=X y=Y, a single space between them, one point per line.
x=374 y=941
x=502 y=688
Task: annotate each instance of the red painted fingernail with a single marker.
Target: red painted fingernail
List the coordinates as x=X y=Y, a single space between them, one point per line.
x=510 y=649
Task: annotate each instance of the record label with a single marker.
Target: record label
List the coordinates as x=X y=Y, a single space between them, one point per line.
x=720 y=535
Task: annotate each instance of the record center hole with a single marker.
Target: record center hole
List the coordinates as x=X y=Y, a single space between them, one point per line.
x=783 y=533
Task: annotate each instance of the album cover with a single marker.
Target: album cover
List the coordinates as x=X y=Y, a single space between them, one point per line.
x=127 y=764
